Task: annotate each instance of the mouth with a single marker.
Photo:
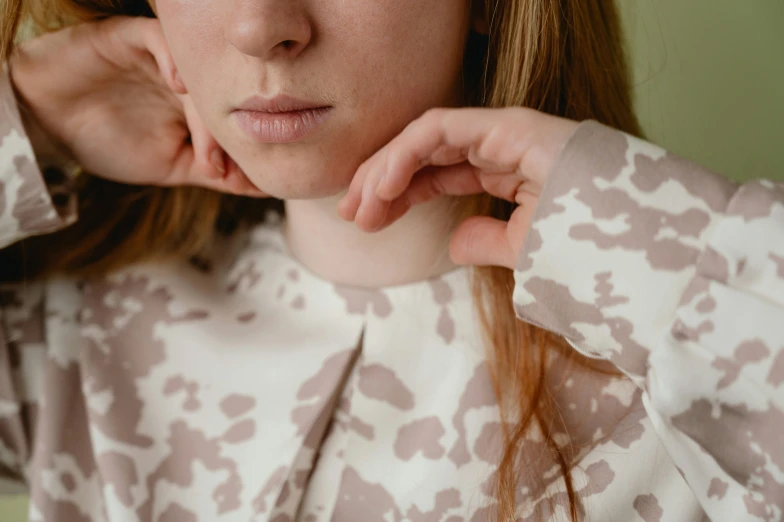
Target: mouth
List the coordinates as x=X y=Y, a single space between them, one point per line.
x=281 y=127
x=281 y=119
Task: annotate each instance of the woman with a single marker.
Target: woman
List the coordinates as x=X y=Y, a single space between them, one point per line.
x=177 y=355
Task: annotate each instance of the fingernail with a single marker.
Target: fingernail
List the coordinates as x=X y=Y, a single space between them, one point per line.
x=358 y=217
x=341 y=209
x=344 y=210
x=216 y=157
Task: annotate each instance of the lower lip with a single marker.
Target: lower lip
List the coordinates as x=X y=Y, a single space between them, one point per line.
x=281 y=127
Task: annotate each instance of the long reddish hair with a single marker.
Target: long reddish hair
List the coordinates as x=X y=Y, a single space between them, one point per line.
x=563 y=57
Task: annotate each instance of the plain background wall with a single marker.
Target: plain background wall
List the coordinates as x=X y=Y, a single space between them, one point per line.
x=709 y=77
x=709 y=82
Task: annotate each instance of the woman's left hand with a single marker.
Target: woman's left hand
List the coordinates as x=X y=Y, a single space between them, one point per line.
x=507 y=153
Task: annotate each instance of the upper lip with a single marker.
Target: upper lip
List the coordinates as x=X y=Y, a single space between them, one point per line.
x=280 y=103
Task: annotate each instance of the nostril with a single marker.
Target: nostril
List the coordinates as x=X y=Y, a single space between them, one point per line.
x=288 y=44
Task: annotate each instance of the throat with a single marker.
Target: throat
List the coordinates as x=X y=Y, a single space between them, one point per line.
x=414 y=248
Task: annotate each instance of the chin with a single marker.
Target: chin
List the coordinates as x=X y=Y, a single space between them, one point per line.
x=302 y=171
x=297 y=193
x=313 y=184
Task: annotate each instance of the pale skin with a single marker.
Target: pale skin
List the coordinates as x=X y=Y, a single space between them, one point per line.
x=507 y=153
x=369 y=198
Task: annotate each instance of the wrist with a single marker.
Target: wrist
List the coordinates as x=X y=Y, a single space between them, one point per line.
x=47 y=148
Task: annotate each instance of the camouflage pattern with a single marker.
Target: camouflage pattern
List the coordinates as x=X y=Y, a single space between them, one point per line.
x=675 y=275
x=245 y=388
x=30 y=203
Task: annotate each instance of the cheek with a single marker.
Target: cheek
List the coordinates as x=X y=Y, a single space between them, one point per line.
x=414 y=63
x=301 y=173
x=399 y=58
x=387 y=71
x=192 y=31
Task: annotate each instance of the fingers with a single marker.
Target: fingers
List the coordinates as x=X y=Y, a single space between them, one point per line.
x=445 y=137
x=431 y=183
x=348 y=205
x=485 y=241
x=156 y=44
x=464 y=179
x=489 y=141
x=211 y=167
x=209 y=158
x=145 y=36
x=482 y=241
x=235 y=182
x=371 y=174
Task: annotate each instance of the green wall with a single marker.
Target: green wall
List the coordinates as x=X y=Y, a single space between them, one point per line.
x=709 y=82
x=709 y=77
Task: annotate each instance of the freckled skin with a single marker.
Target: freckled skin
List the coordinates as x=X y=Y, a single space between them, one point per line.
x=380 y=64
x=140 y=396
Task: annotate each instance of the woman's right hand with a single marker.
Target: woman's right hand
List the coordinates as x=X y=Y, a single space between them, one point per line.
x=108 y=94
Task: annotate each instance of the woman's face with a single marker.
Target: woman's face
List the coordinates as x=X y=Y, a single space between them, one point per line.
x=377 y=65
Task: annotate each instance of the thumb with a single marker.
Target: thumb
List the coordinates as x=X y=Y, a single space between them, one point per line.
x=482 y=241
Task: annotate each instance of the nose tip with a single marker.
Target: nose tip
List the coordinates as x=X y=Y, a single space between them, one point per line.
x=265 y=31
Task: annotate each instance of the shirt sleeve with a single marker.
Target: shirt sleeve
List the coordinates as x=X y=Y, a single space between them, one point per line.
x=34 y=199
x=22 y=362
x=676 y=275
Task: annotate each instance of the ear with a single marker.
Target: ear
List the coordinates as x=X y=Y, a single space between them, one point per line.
x=479 y=17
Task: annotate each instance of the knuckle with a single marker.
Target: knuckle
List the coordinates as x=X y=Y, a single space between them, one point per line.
x=517 y=113
x=437 y=185
x=434 y=115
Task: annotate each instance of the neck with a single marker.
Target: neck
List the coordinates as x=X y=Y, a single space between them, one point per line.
x=414 y=248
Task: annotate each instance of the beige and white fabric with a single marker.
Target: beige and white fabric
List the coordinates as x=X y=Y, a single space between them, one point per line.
x=245 y=388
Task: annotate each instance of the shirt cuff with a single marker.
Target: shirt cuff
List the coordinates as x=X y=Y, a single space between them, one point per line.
x=614 y=243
